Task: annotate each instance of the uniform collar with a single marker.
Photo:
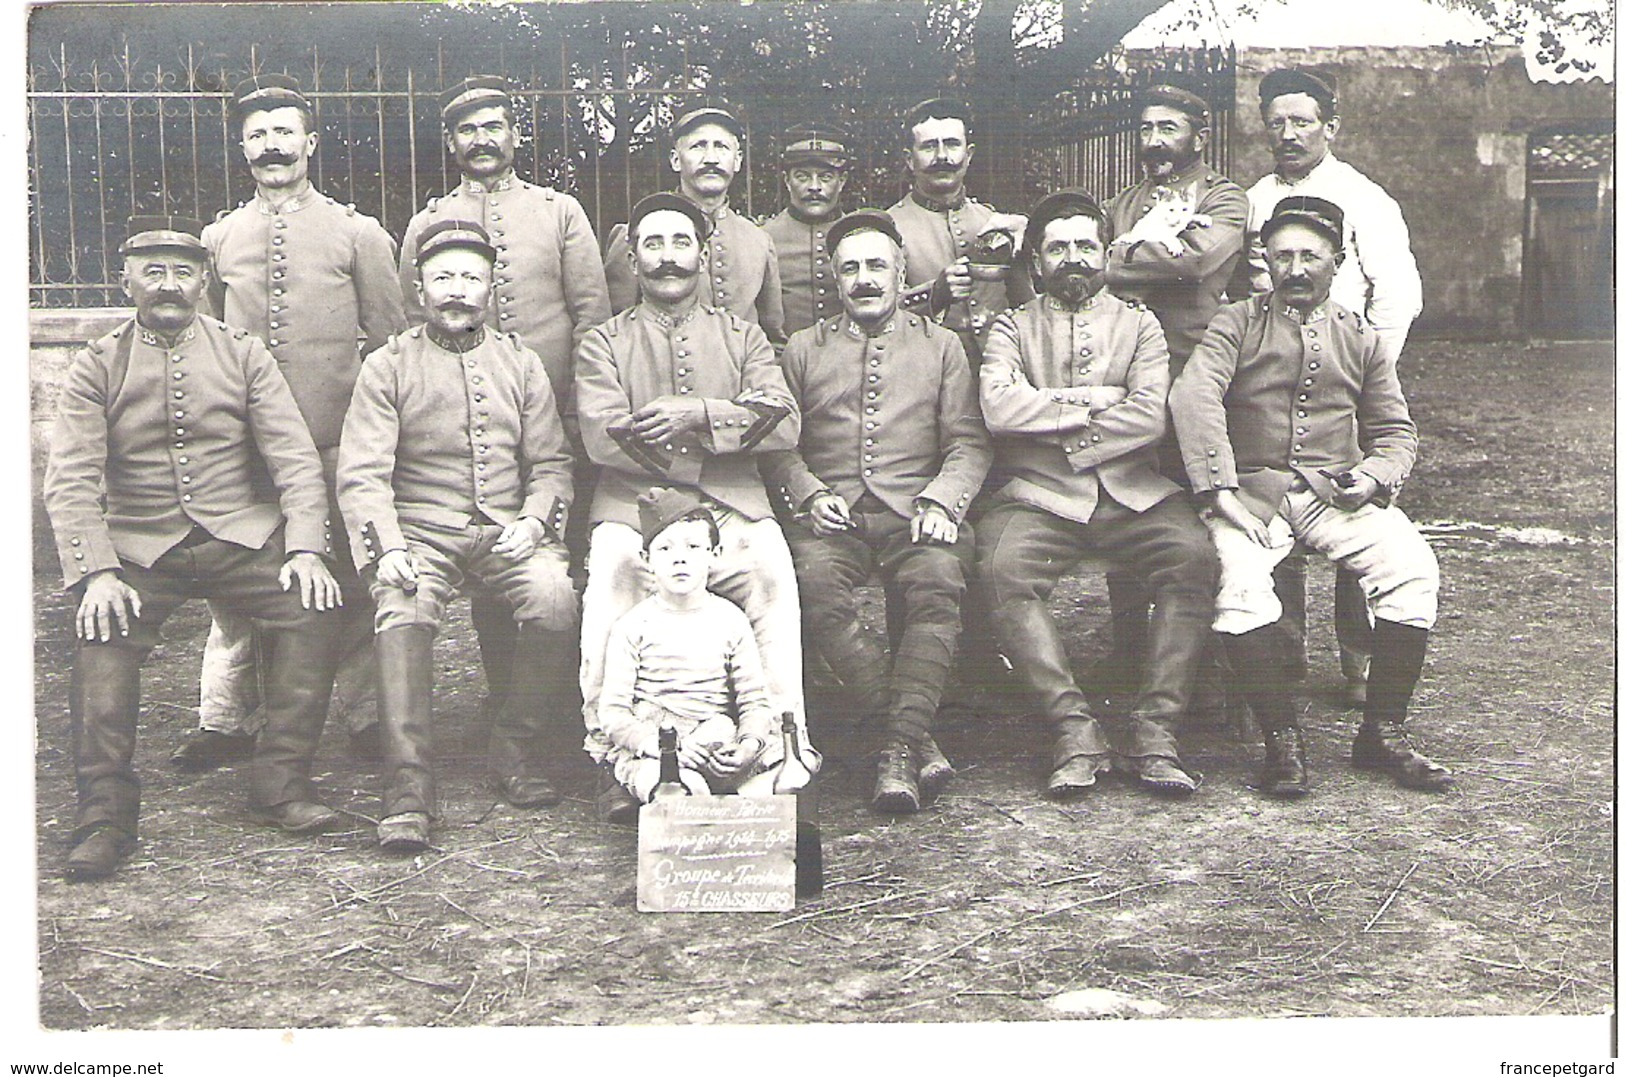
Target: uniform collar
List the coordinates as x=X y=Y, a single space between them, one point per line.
x=157 y=340
x=1089 y=303
x=666 y=321
x=938 y=207
x=1293 y=314
x=857 y=332
x=292 y=205
x=464 y=342
x=1179 y=179
x=502 y=183
x=797 y=215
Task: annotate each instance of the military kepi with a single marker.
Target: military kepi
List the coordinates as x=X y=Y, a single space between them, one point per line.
x=667 y=200
x=662 y=506
x=1067 y=202
x=1323 y=216
x=1176 y=97
x=161 y=232
x=260 y=93
x=818 y=143
x=936 y=108
x=860 y=220
x=444 y=235
x=476 y=91
x=719 y=116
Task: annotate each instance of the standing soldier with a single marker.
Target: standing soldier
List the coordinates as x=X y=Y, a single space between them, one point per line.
x=816 y=156
x=676 y=393
x=1378 y=280
x=547 y=285
x=454 y=467
x=1177 y=238
x=892 y=451
x=941 y=225
x=151 y=491
x=1074 y=389
x=1293 y=426
x=315 y=281
x=741 y=269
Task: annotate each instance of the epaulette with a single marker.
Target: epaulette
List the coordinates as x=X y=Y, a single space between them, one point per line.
x=925 y=324
x=433 y=202
x=239 y=333
x=1135 y=303
x=547 y=192
x=613 y=326
x=95 y=346
x=394 y=342
x=349 y=210
x=415 y=332
x=513 y=338
x=736 y=322
x=222 y=215
x=1359 y=322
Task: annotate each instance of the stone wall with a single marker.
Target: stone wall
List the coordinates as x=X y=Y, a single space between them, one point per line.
x=1445 y=131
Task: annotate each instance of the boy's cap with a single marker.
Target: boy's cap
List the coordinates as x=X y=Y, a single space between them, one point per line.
x=663 y=506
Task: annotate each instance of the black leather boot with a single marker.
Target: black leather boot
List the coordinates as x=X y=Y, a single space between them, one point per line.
x=405 y=686
x=298 y=686
x=1291 y=588
x=1352 y=618
x=1262 y=671
x=1397 y=652
x=498 y=635
x=103 y=702
x=919 y=674
x=537 y=709
x=1175 y=643
x=897 y=782
x=1120 y=673
x=1081 y=755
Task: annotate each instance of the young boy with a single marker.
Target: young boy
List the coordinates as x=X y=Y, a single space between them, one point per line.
x=687 y=657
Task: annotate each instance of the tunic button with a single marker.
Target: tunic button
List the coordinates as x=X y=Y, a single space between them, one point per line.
x=869 y=441
x=84 y=568
x=278 y=291
x=870 y=409
x=1303 y=430
x=276 y=241
x=275 y=343
x=1314 y=347
x=682 y=372
x=868 y=471
x=1303 y=396
x=874 y=362
x=1302 y=414
x=78 y=557
x=682 y=353
x=179 y=395
x=276 y=325
x=873 y=394
x=1314 y=366
x=179 y=375
x=506 y=315
x=874 y=377
x=184 y=460
x=175 y=359
x=186 y=479
x=468 y=363
x=186 y=497
x=180 y=415
x=276 y=308
x=683 y=389
x=869 y=426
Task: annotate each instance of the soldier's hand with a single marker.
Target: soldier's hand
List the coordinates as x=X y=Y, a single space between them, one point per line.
x=829 y=514
x=1349 y=498
x=1229 y=506
x=932 y=524
x=729 y=760
x=519 y=539
x=107 y=599
x=956 y=278
x=316 y=584
x=395 y=570
x=666 y=417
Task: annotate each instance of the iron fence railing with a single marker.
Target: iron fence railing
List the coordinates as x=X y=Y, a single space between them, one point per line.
x=119 y=136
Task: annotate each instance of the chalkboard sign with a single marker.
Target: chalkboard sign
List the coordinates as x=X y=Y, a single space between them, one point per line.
x=717 y=854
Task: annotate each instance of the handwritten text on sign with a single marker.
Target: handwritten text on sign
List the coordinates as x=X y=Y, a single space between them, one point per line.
x=717 y=854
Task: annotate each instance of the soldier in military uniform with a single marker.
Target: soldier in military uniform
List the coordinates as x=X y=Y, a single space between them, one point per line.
x=1074 y=390
x=454 y=466
x=309 y=277
x=677 y=393
x=741 y=269
x=940 y=225
x=151 y=490
x=892 y=451
x=1294 y=429
x=1178 y=235
x=548 y=286
x=815 y=160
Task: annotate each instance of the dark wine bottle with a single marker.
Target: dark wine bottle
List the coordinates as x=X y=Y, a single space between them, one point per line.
x=671 y=781
x=796 y=778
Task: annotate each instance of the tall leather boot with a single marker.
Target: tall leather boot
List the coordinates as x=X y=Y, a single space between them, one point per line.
x=495 y=629
x=1397 y=652
x=860 y=664
x=298 y=686
x=1176 y=644
x=103 y=705
x=1291 y=588
x=1352 y=618
x=405 y=686
x=1120 y=673
x=919 y=674
x=1259 y=658
x=1038 y=653
x=539 y=706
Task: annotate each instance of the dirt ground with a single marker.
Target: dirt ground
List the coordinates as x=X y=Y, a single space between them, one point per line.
x=993 y=904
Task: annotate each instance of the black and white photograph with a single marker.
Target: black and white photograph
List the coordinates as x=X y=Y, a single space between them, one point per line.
x=992 y=532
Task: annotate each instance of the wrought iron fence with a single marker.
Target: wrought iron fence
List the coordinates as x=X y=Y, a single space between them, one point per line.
x=120 y=136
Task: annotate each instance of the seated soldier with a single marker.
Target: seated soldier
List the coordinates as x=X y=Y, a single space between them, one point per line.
x=1291 y=421
x=1074 y=389
x=687 y=658
x=892 y=451
x=164 y=424
x=686 y=395
x=452 y=466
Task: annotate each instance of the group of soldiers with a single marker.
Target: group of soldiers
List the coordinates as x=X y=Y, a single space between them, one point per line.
x=959 y=402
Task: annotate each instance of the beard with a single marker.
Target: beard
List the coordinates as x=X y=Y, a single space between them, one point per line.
x=1073 y=286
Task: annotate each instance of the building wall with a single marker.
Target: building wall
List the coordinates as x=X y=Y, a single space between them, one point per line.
x=1445 y=131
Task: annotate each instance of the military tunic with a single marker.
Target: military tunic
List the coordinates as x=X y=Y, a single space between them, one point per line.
x=894 y=415
x=313 y=279
x=936 y=235
x=548 y=281
x=708 y=354
x=811 y=292
x=740 y=274
x=151 y=441
x=448 y=439
x=1182 y=288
